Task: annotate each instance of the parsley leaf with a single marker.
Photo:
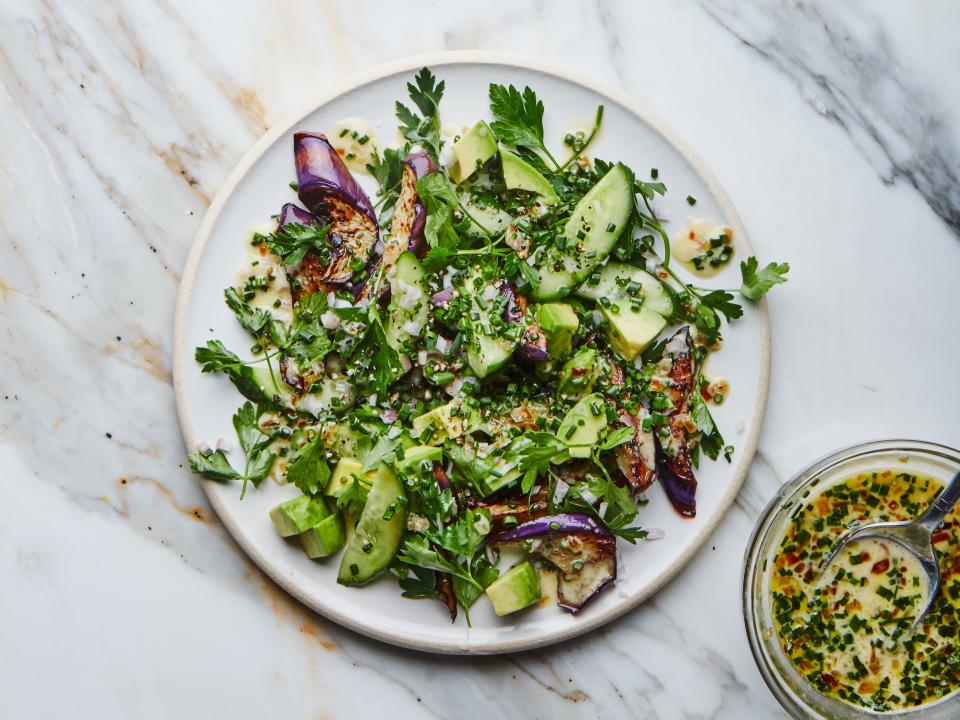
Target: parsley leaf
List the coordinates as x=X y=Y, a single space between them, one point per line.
x=519 y=118
x=308 y=468
x=258 y=460
x=423 y=584
x=722 y=301
x=253 y=320
x=308 y=340
x=439 y=200
x=755 y=284
x=425 y=131
x=292 y=242
x=215 y=357
x=353 y=497
x=387 y=365
x=383 y=451
x=387 y=169
x=649 y=189
x=212 y=464
x=705 y=314
x=254 y=442
x=616 y=438
x=711 y=442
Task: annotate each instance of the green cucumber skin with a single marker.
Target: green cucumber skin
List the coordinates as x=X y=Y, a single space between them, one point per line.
x=615 y=190
x=383 y=536
x=409 y=270
x=654 y=296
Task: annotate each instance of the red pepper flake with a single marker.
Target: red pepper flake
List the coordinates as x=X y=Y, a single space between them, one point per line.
x=880 y=567
x=790 y=558
x=939 y=536
x=829 y=679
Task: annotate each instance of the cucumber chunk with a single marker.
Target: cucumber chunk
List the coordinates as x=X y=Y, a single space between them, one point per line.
x=620 y=283
x=406 y=278
x=518 y=588
x=595 y=224
x=486 y=354
x=379 y=531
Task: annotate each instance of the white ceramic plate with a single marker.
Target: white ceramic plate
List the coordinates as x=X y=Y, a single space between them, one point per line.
x=257 y=188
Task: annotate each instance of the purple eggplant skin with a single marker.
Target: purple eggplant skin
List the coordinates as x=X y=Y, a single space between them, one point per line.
x=674 y=465
x=582 y=550
x=409 y=215
x=332 y=194
x=291 y=214
x=406 y=228
x=323 y=178
x=533 y=345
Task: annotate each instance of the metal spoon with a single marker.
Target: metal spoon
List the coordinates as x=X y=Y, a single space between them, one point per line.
x=913 y=535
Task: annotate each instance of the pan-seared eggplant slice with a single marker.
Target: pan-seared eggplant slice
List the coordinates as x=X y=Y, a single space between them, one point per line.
x=406 y=228
x=636 y=458
x=579 y=547
x=533 y=344
x=409 y=215
x=634 y=461
x=674 y=467
x=509 y=513
x=332 y=194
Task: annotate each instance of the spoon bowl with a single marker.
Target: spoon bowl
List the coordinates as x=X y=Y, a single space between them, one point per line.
x=915 y=536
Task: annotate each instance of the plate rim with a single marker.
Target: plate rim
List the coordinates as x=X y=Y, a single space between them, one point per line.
x=179 y=361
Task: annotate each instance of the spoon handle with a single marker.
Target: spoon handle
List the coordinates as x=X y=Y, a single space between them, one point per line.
x=934 y=515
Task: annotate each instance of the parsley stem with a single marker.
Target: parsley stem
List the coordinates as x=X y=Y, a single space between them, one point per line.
x=596 y=128
x=385 y=195
x=273 y=378
x=552 y=158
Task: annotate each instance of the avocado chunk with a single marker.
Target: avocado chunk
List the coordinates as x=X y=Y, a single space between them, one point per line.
x=445 y=422
x=631 y=331
x=325 y=538
x=559 y=322
x=472 y=151
x=343 y=475
x=419 y=454
x=298 y=515
x=516 y=589
x=518 y=174
x=379 y=531
x=581 y=427
x=579 y=373
x=624 y=284
x=595 y=224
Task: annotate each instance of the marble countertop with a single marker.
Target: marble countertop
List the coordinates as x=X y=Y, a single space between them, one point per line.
x=834 y=127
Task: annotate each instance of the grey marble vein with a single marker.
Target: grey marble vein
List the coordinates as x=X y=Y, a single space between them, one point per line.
x=841 y=59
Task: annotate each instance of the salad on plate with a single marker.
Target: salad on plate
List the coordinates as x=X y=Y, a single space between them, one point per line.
x=473 y=376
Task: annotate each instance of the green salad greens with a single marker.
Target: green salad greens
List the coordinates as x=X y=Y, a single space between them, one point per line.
x=494 y=355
